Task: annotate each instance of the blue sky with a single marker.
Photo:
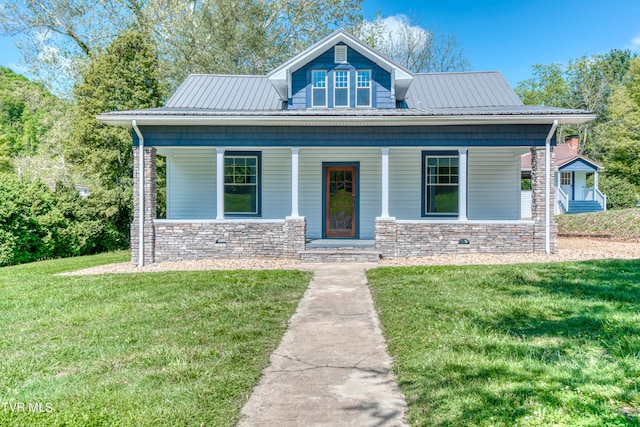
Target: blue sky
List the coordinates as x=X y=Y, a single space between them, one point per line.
x=512 y=36
x=509 y=36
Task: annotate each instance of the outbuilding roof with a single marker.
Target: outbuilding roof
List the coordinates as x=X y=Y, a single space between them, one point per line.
x=564 y=155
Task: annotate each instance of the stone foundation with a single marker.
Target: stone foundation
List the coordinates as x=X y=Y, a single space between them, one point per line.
x=422 y=238
x=191 y=240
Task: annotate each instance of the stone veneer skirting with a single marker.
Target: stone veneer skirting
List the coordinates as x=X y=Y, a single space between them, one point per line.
x=190 y=240
x=425 y=238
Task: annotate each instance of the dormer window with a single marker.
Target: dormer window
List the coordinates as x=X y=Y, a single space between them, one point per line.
x=341 y=88
x=341 y=54
x=319 y=88
x=363 y=88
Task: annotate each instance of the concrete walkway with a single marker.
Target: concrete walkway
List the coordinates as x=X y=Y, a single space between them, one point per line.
x=332 y=367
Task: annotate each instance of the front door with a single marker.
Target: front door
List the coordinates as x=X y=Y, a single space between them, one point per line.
x=340 y=201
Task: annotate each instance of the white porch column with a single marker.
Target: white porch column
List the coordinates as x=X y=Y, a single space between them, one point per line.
x=385 y=183
x=462 y=184
x=219 y=183
x=294 y=182
x=595 y=179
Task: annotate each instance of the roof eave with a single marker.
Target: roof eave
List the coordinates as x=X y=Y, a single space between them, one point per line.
x=284 y=120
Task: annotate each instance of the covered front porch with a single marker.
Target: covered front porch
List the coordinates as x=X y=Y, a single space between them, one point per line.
x=386 y=205
x=577 y=188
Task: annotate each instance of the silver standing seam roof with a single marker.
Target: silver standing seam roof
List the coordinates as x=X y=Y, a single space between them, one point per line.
x=428 y=91
x=226 y=93
x=450 y=96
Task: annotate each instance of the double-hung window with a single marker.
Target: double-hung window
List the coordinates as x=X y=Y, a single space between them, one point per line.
x=565 y=178
x=319 y=88
x=440 y=183
x=363 y=88
x=242 y=183
x=341 y=88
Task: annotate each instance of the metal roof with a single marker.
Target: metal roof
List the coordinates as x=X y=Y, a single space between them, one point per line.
x=461 y=90
x=448 y=97
x=225 y=93
x=435 y=93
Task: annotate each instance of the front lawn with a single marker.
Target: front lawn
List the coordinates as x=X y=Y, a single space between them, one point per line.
x=517 y=345
x=153 y=349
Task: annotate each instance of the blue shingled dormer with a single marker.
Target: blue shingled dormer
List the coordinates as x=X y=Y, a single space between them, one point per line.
x=340 y=73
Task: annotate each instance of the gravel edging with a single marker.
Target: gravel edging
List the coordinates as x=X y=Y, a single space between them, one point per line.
x=569 y=249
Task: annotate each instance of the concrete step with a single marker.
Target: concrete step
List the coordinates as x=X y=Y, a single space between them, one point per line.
x=342 y=254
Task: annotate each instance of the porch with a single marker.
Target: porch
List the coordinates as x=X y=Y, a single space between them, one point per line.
x=384 y=210
x=573 y=193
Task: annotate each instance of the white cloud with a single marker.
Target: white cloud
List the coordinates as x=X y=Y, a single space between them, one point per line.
x=394 y=26
x=634 y=44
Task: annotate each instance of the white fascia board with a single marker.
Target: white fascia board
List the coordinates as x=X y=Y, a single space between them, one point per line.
x=282 y=120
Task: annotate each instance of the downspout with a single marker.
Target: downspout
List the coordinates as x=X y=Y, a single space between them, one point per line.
x=547 y=180
x=140 y=194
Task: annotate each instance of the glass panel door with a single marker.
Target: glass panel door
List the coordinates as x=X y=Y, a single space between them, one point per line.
x=340 y=201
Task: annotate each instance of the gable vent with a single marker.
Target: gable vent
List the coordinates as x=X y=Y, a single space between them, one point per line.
x=341 y=54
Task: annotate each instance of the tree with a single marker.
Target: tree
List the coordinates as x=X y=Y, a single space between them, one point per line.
x=124 y=77
x=621 y=134
x=33 y=123
x=414 y=47
x=584 y=84
x=548 y=86
x=205 y=36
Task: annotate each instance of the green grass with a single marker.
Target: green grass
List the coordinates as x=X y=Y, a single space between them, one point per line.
x=526 y=345
x=619 y=224
x=152 y=349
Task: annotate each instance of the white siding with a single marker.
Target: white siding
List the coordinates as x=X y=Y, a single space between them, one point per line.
x=494 y=184
x=525 y=204
x=191 y=184
x=311 y=160
x=276 y=183
x=405 y=183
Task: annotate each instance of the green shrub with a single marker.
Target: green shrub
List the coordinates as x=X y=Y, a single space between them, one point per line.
x=37 y=223
x=621 y=194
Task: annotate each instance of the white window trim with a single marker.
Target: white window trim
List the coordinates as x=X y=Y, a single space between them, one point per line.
x=326 y=91
x=569 y=177
x=348 y=88
x=364 y=87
